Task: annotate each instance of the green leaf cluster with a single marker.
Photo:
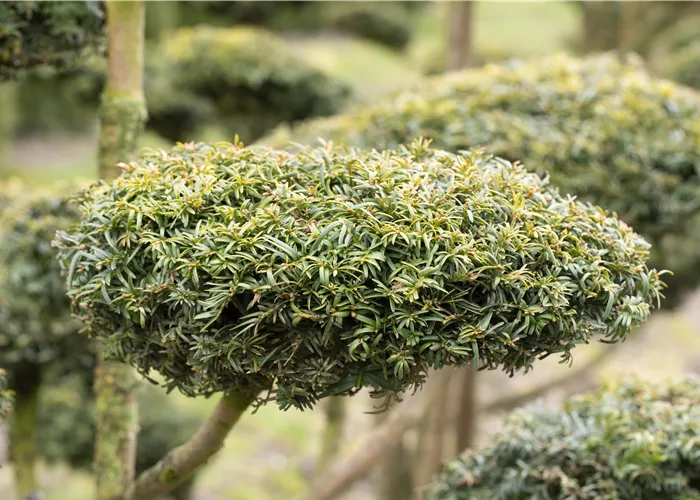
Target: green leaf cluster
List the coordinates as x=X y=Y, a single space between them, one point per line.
x=627 y=441
x=6 y=396
x=601 y=127
x=35 y=318
x=326 y=271
x=34 y=33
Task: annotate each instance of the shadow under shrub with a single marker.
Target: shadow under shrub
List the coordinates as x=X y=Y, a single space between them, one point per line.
x=325 y=271
x=628 y=441
x=601 y=127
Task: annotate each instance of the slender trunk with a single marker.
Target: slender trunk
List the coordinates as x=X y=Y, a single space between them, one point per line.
x=181 y=462
x=431 y=443
x=23 y=439
x=601 y=23
x=460 y=35
x=333 y=433
x=467 y=412
x=8 y=115
x=630 y=16
x=395 y=476
x=122 y=118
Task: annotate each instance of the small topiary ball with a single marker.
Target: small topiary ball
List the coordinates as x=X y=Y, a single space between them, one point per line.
x=253 y=80
x=36 y=325
x=628 y=441
x=601 y=127
x=46 y=33
x=6 y=396
x=326 y=271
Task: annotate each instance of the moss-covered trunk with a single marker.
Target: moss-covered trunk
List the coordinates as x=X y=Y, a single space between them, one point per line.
x=23 y=440
x=122 y=118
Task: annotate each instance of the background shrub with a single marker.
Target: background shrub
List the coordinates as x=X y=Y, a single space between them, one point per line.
x=46 y=33
x=67 y=426
x=5 y=396
x=36 y=326
x=222 y=266
x=629 y=441
x=252 y=79
x=364 y=20
x=601 y=127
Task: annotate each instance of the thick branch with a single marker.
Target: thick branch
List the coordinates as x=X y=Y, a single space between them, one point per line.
x=181 y=462
x=356 y=466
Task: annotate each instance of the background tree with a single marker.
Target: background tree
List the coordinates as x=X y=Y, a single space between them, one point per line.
x=6 y=396
x=629 y=440
x=240 y=278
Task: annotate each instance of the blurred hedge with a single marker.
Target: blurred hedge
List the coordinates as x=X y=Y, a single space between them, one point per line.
x=628 y=441
x=601 y=127
x=6 y=396
x=66 y=426
x=35 y=33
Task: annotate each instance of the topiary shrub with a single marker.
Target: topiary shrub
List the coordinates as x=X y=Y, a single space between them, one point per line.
x=364 y=20
x=226 y=267
x=252 y=79
x=46 y=33
x=628 y=441
x=684 y=66
x=600 y=127
x=6 y=396
x=67 y=426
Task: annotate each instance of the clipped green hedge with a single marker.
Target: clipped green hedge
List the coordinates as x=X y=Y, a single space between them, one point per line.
x=628 y=441
x=34 y=33
x=6 y=396
x=601 y=127
x=66 y=426
x=325 y=271
x=251 y=79
x=36 y=325
x=365 y=20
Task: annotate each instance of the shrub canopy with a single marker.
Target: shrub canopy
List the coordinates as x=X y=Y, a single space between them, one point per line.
x=35 y=318
x=36 y=33
x=325 y=271
x=628 y=441
x=252 y=79
x=601 y=127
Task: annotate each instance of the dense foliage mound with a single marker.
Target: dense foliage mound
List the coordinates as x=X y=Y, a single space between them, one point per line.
x=5 y=396
x=252 y=79
x=629 y=441
x=222 y=266
x=601 y=127
x=35 y=320
x=36 y=33
x=67 y=426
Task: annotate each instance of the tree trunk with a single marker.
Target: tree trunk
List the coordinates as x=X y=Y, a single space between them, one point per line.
x=8 y=105
x=601 y=23
x=467 y=412
x=181 y=462
x=23 y=440
x=333 y=433
x=460 y=35
x=431 y=443
x=122 y=118
x=630 y=24
x=394 y=477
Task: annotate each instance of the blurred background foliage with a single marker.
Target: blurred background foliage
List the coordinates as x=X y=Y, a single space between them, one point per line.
x=293 y=61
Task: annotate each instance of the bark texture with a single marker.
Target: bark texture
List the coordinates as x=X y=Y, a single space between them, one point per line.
x=122 y=118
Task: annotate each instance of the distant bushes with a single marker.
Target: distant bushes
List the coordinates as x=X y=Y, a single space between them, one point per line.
x=628 y=441
x=66 y=425
x=601 y=127
x=245 y=80
x=54 y=34
x=6 y=396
